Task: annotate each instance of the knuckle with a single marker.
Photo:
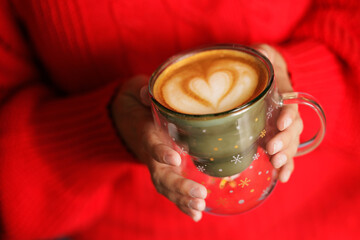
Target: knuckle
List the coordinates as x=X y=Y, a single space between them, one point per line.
x=173 y=198
x=157 y=152
x=180 y=184
x=294 y=110
x=184 y=202
x=290 y=110
x=184 y=209
x=286 y=138
x=294 y=149
x=290 y=165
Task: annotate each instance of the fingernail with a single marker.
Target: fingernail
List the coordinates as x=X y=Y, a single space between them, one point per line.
x=197 y=217
x=285 y=176
x=198 y=193
x=279 y=161
x=287 y=123
x=198 y=205
x=172 y=160
x=277 y=146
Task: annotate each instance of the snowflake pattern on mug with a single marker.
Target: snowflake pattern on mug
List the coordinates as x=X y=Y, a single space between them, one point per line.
x=201 y=168
x=263 y=133
x=244 y=183
x=182 y=151
x=269 y=113
x=256 y=156
x=236 y=159
x=239 y=192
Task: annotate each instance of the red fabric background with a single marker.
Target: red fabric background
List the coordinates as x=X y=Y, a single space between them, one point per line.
x=64 y=171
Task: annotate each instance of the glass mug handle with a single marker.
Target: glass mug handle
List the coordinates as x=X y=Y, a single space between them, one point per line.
x=308 y=100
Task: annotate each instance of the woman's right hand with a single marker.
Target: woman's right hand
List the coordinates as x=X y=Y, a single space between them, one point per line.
x=132 y=116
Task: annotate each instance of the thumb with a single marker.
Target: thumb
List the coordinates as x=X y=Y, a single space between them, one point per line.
x=145 y=95
x=280 y=67
x=266 y=50
x=137 y=87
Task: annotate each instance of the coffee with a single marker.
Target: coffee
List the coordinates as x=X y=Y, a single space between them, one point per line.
x=211 y=82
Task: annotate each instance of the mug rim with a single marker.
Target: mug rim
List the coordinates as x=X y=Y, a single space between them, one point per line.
x=185 y=54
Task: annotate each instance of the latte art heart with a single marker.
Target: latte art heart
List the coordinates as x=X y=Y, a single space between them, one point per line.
x=212 y=90
x=225 y=84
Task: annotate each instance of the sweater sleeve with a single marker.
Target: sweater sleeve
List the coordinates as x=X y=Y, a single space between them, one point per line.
x=328 y=35
x=59 y=153
x=322 y=57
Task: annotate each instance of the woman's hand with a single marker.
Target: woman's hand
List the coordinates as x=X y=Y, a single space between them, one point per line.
x=134 y=122
x=283 y=146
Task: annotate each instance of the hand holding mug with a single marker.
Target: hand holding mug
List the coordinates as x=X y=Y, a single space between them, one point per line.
x=133 y=120
x=166 y=162
x=222 y=111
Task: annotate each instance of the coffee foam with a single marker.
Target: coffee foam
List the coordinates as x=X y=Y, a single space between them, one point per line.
x=210 y=82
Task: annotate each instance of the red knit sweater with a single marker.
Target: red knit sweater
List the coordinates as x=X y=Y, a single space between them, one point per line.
x=63 y=170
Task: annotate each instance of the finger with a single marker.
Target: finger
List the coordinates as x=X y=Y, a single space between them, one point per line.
x=185 y=202
x=171 y=184
x=134 y=85
x=144 y=96
x=196 y=204
x=280 y=67
x=189 y=205
x=266 y=50
x=165 y=154
x=285 y=138
x=193 y=208
x=157 y=146
x=194 y=214
x=287 y=116
x=281 y=158
x=286 y=171
x=186 y=194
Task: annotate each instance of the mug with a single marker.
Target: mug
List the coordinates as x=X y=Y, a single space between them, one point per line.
x=225 y=151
